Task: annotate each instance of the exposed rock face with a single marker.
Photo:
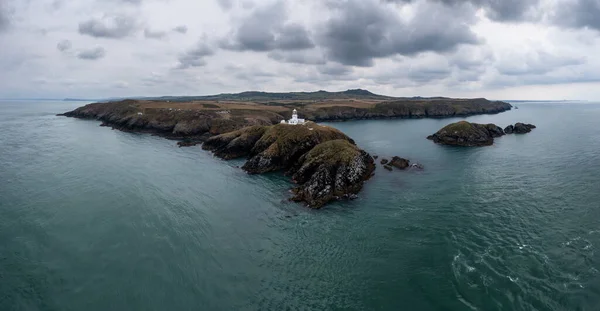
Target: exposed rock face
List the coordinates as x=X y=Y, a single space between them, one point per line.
x=400 y=163
x=410 y=108
x=519 y=128
x=322 y=160
x=464 y=133
x=384 y=161
x=331 y=170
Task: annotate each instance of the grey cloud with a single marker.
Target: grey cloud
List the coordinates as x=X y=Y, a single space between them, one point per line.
x=298 y=57
x=195 y=56
x=92 y=54
x=335 y=70
x=4 y=17
x=154 y=34
x=64 y=45
x=294 y=37
x=537 y=64
x=579 y=14
x=265 y=30
x=181 y=29
x=362 y=30
x=225 y=4
x=498 y=10
x=114 y=27
x=424 y=75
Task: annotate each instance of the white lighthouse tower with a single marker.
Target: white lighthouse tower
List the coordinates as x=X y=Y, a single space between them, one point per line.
x=294 y=120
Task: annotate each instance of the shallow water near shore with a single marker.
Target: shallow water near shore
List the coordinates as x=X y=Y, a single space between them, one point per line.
x=97 y=219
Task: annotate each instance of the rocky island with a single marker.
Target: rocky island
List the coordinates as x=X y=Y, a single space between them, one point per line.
x=324 y=162
x=468 y=134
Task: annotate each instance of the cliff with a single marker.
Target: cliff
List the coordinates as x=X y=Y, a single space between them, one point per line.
x=324 y=162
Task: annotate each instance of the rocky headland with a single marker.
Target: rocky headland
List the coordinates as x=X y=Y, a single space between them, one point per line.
x=468 y=134
x=324 y=162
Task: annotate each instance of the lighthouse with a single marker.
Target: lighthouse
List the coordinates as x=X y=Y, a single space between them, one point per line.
x=294 y=120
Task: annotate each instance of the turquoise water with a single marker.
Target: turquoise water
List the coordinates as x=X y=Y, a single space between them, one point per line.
x=96 y=219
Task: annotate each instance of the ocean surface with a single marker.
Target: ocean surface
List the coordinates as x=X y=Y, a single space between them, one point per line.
x=97 y=219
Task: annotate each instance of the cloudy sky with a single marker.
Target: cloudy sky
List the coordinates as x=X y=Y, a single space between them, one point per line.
x=499 y=49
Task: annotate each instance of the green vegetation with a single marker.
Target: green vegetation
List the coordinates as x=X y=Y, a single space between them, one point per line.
x=332 y=152
x=461 y=126
x=282 y=138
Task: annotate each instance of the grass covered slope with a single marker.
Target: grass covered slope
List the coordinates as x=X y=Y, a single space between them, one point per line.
x=325 y=162
x=464 y=133
x=271 y=148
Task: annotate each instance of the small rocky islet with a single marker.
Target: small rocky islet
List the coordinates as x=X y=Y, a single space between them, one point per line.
x=469 y=134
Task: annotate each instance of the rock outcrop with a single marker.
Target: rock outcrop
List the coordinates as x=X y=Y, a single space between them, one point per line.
x=464 y=133
x=324 y=162
x=400 y=163
x=331 y=170
x=519 y=128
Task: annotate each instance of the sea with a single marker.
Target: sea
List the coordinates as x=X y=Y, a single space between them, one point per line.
x=97 y=219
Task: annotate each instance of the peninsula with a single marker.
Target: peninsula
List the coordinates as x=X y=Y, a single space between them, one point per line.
x=199 y=117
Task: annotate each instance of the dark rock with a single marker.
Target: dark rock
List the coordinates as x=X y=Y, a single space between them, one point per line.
x=522 y=128
x=400 y=163
x=388 y=167
x=464 y=133
x=375 y=157
x=509 y=129
x=494 y=130
x=330 y=170
x=384 y=161
x=187 y=143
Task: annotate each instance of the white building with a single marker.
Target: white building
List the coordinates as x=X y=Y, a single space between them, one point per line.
x=294 y=120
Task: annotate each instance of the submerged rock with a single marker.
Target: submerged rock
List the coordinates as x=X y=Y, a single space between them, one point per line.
x=322 y=160
x=388 y=167
x=464 y=133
